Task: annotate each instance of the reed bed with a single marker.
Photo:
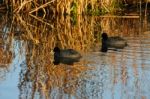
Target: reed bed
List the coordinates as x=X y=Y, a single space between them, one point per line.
x=54 y=7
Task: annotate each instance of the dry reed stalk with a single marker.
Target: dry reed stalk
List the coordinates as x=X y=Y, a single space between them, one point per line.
x=114 y=16
x=146 y=7
x=22 y=5
x=105 y=7
x=29 y=33
x=41 y=20
x=61 y=7
x=42 y=6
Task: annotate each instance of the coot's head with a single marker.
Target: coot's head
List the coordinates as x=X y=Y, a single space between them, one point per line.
x=56 y=49
x=104 y=36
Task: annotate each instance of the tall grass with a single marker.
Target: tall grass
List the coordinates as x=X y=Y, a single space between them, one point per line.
x=67 y=6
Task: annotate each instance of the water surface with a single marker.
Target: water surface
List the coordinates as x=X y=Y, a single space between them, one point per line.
x=28 y=72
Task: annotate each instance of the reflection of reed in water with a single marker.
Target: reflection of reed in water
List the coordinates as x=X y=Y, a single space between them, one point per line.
x=6 y=53
x=60 y=32
x=6 y=57
x=120 y=26
x=39 y=74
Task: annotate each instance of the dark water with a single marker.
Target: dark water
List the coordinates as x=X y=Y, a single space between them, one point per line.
x=26 y=64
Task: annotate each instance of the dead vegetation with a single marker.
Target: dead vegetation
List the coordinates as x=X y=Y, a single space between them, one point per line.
x=61 y=7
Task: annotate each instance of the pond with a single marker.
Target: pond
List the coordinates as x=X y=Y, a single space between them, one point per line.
x=27 y=70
